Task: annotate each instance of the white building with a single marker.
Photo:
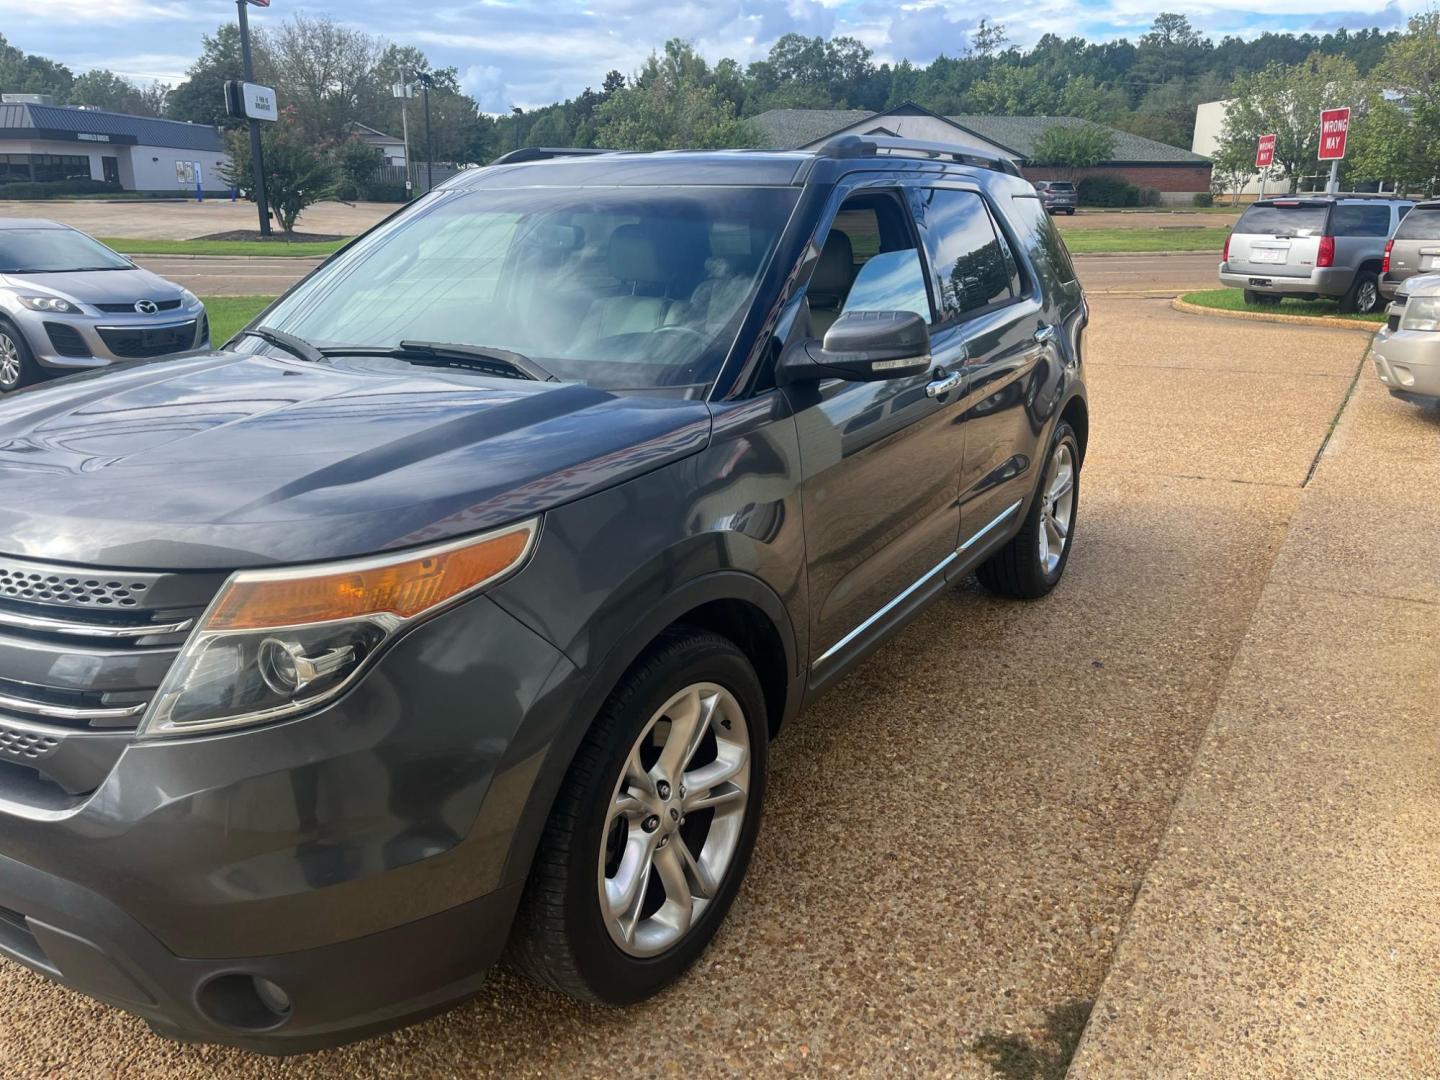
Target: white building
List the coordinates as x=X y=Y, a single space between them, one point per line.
x=391 y=147
x=40 y=142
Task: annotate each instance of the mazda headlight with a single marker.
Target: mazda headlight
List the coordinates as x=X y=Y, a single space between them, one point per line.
x=49 y=303
x=274 y=643
x=1421 y=313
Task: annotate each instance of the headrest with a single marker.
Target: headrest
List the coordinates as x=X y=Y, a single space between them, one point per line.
x=634 y=255
x=834 y=273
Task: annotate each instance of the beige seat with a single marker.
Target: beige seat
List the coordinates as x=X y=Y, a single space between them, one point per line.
x=830 y=283
x=634 y=259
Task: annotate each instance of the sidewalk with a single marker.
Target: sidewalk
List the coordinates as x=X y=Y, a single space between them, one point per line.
x=1290 y=924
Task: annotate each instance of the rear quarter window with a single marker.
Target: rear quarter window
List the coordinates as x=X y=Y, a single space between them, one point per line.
x=1422 y=223
x=1282 y=221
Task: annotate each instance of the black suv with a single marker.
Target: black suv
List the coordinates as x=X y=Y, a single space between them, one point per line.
x=452 y=606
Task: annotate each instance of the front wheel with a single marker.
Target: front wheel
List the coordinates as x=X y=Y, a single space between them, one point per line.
x=17 y=366
x=1031 y=564
x=1070 y=211
x=652 y=832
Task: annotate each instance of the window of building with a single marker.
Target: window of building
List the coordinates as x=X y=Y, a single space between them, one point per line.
x=43 y=167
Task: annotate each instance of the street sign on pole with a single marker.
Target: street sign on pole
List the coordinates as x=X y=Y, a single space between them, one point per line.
x=1265 y=152
x=1334 y=129
x=257 y=152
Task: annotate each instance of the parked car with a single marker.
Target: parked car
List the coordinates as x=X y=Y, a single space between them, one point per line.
x=1058 y=196
x=1413 y=249
x=452 y=606
x=1312 y=247
x=1406 y=351
x=68 y=303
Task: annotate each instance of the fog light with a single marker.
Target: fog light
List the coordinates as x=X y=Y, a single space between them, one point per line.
x=272 y=997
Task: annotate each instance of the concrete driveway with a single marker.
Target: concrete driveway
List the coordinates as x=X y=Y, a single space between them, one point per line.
x=184 y=220
x=956 y=836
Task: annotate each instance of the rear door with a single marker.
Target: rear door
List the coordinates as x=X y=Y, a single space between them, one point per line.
x=1417 y=244
x=1280 y=238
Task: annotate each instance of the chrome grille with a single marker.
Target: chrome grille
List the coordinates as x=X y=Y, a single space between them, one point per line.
x=69 y=589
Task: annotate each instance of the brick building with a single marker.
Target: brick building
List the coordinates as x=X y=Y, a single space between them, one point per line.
x=1177 y=174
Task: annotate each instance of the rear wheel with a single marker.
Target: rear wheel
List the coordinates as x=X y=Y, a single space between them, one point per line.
x=1070 y=211
x=1261 y=299
x=17 y=364
x=1031 y=564
x=653 y=830
x=1363 y=296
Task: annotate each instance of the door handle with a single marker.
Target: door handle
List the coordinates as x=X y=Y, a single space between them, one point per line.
x=943 y=385
x=1044 y=335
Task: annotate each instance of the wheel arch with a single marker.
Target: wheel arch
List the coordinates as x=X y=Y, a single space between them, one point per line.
x=1077 y=414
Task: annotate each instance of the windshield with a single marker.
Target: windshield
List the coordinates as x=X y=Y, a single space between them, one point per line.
x=621 y=288
x=54 y=251
x=1422 y=223
x=1263 y=220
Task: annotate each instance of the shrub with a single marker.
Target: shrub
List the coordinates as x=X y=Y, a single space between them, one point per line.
x=1150 y=196
x=1204 y=198
x=383 y=192
x=49 y=189
x=1107 y=191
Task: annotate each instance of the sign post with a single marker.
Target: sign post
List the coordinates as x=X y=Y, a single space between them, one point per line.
x=257 y=153
x=1334 y=130
x=1264 y=158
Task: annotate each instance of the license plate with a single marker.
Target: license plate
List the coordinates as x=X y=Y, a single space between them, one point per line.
x=160 y=338
x=1267 y=255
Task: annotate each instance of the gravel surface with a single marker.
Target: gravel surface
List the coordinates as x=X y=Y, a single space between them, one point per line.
x=956 y=835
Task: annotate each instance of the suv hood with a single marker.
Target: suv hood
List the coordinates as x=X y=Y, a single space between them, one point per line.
x=227 y=461
x=97 y=286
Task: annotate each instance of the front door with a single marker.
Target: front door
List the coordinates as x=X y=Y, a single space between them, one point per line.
x=112 y=169
x=881 y=459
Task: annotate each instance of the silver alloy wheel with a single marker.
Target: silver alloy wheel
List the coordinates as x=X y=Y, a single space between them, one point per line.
x=9 y=362
x=675 y=819
x=1367 y=298
x=1057 y=506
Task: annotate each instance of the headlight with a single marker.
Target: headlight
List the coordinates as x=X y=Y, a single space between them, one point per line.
x=1421 y=313
x=49 y=303
x=188 y=298
x=274 y=643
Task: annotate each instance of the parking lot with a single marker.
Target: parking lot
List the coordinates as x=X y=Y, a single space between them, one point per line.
x=947 y=879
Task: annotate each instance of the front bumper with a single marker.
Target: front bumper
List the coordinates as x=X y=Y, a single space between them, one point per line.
x=79 y=342
x=1408 y=362
x=359 y=858
x=1330 y=282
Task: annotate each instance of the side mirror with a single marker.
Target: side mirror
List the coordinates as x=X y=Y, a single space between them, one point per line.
x=864 y=346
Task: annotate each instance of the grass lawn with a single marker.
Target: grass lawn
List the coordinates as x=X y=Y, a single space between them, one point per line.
x=275 y=248
x=1090 y=241
x=1234 y=300
x=229 y=313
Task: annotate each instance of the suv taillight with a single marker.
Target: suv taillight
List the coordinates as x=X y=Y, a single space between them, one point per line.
x=1385 y=262
x=1326 y=255
x=1225 y=251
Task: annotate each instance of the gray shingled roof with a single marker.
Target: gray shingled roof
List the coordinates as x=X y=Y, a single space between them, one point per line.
x=788 y=129
x=146 y=130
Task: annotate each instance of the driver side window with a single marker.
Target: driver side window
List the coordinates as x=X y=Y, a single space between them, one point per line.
x=869 y=262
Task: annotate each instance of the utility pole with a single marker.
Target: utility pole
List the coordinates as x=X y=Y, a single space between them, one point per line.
x=424 y=78
x=404 y=91
x=517 y=112
x=257 y=154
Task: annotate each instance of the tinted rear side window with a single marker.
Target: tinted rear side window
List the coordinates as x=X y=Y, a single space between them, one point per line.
x=1282 y=221
x=1420 y=224
x=966 y=253
x=1352 y=220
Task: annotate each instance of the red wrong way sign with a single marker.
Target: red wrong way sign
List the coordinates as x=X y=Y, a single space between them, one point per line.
x=1265 y=151
x=1334 y=127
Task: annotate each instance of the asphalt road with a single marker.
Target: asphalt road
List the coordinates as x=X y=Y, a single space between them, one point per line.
x=955 y=837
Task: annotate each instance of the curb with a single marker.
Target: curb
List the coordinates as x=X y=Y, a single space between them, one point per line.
x=1264 y=316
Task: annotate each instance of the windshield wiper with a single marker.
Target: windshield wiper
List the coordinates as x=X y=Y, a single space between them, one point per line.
x=444 y=354
x=295 y=346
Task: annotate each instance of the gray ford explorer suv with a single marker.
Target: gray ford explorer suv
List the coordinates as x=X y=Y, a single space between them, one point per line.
x=449 y=610
x=1312 y=247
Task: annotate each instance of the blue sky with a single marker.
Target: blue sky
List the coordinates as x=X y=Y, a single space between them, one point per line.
x=534 y=53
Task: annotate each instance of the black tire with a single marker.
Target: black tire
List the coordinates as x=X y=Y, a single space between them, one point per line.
x=28 y=369
x=1363 y=296
x=1070 y=211
x=1260 y=299
x=561 y=939
x=1016 y=569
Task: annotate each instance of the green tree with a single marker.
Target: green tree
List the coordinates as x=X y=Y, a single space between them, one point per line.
x=1285 y=101
x=200 y=96
x=297 y=172
x=1073 y=146
x=100 y=89
x=27 y=73
x=1400 y=140
x=359 y=164
x=672 y=104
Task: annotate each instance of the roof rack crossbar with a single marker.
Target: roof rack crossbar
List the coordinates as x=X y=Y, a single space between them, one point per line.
x=857 y=146
x=545 y=153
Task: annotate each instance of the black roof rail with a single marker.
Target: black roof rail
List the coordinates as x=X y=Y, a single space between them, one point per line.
x=858 y=146
x=545 y=153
